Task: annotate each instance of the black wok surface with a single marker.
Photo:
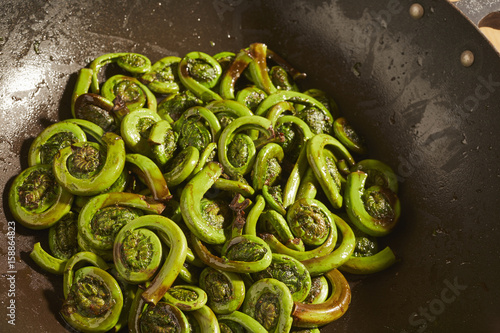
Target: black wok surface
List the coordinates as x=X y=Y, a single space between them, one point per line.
x=398 y=80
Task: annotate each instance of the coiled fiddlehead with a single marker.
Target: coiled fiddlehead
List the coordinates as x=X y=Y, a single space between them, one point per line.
x=88 y=169
x=301 y=207
x=190 y=203
x=289 y=271
x=251 y=97
x=172 y=106
x=191 y=130
x=162 y=317
x=104 y=215
x=378 y=173
x=237 y=150
x=270 y=302
x=347 y=136
x=136 y=129
x=199 y=72
x=162 y=77
x=163 y=142
x=36 y=200
x=186 y=297
x=99 y=110
x=182 y=166
x=165 y=275
x=133 y=63
x=242 y=254
x=51 y=140
x=320 y=265
x=310 y=220
x=63 y=241
x=93 y=298
x=130 y=91
x=322 y=169
x=376 y=210
x=226 y=290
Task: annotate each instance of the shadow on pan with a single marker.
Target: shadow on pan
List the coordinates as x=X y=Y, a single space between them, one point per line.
x=400 y=82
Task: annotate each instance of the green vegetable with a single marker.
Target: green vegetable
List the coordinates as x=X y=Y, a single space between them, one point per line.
x=219 y=209
x=87 y=168
x=375 y=210
x=36 y=200
x=270 y=302
x=225 y=290
x=167 y=274
x=317 y=315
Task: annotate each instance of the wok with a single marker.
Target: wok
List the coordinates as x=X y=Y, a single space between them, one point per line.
x=399 y=80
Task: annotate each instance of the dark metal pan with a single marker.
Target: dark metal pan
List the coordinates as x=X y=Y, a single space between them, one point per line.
x=399 y=80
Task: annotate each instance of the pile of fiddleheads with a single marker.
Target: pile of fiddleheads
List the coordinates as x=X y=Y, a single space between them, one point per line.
x=204 y=194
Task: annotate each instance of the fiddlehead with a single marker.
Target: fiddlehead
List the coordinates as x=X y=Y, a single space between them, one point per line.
x=378 y=173
x=163 y=142
x=36 y=200
x=168 y=272
x=136 y=129
x=251 y=97
x=163 y=317
x=192 y=210
x=186 y=297
x=52 y=139
x=63 y=242
x=179 y=168
x=270 y=302
x=87 y=168
x=162 y=78
x=237 y=150
x=281 y=79
x=104 y=215
x=320 y=265
x=199 y=72
x=325 y=170
x=93 y=298
x=375 y=210
x=191 y=130
x=225 y=290
x=308 y=210
x=289 y=271
x=99 y=110
x=130 y=91
x=310 y=220
x=133 y=63
x=242 y=254
x=267 y=168
x=348 y=137
x=172 y=106
x=320 y=314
